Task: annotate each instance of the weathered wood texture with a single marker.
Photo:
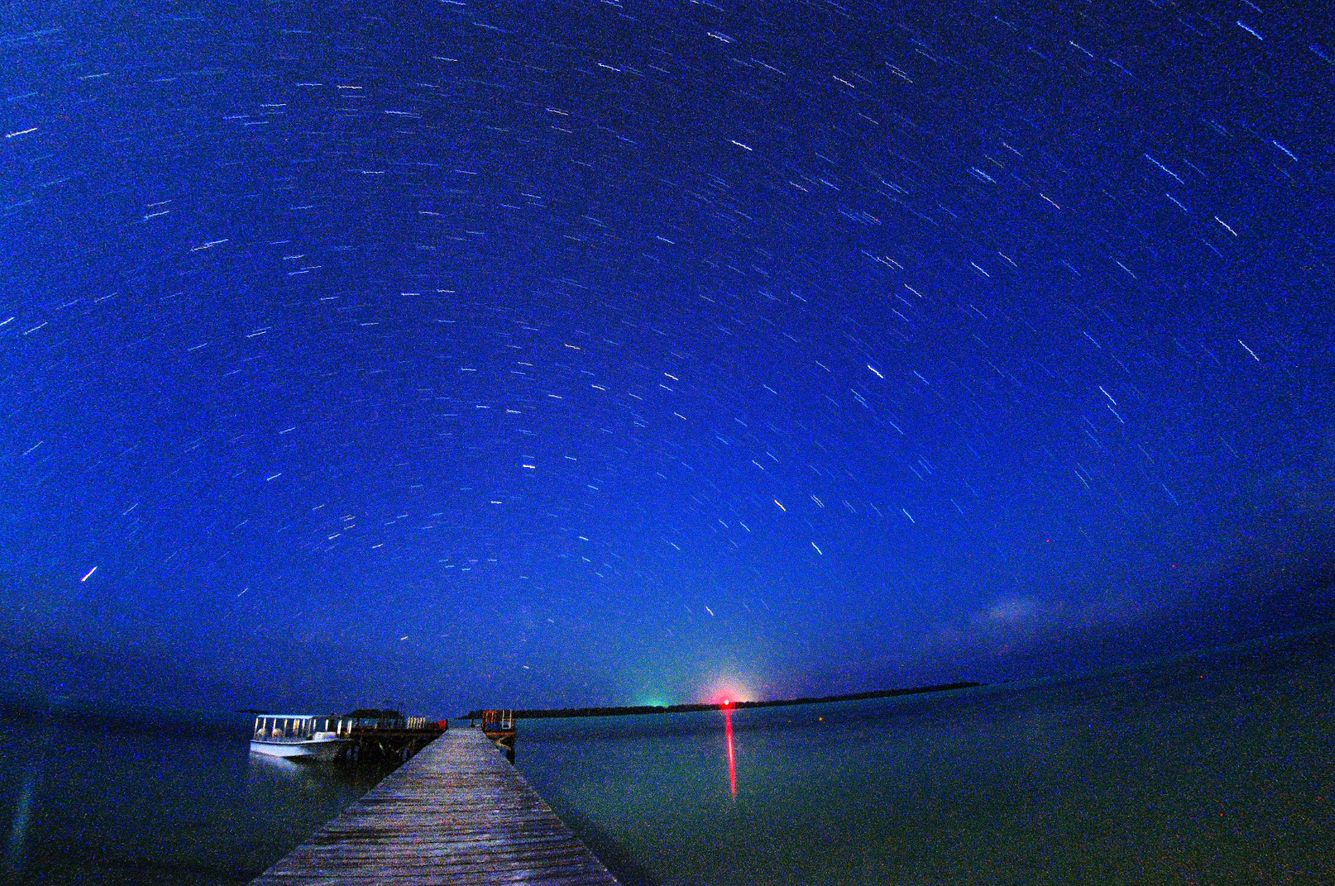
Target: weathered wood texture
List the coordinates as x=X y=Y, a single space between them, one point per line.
x=455 y=813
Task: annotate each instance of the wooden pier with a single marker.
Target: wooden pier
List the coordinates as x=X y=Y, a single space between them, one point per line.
x=457 y=812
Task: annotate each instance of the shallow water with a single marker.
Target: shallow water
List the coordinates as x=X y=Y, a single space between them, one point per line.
x=1211 y=769
x=121 y=803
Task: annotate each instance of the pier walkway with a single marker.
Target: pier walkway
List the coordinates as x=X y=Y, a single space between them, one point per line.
x=457 y=812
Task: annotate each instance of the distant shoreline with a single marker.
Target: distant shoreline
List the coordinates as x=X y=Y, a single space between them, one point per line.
x=633 y=710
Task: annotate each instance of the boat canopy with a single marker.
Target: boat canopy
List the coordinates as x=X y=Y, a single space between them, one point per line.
x=288 y=726
x=292 y=726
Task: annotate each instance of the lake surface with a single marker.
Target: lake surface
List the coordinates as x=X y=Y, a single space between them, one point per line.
x=1209 y=769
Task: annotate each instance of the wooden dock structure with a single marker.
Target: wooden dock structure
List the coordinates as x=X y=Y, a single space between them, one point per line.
x=457 y=812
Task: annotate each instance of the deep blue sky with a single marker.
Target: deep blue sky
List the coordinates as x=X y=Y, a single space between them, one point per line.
x=472 y=353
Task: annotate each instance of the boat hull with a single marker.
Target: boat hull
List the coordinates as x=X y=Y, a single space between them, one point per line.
x=316 y=750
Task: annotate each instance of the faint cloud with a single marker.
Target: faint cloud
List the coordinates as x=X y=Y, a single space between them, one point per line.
x=1012 y=611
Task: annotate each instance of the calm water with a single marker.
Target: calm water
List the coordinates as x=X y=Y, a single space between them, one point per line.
x=1212 y=769
x=182 y=804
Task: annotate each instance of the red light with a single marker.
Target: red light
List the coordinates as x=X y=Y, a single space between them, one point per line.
x=732 y=756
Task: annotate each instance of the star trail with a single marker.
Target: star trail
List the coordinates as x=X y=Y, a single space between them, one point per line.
x=597 y=352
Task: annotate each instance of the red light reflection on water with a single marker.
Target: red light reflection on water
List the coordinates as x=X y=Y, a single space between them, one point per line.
x=732 y=756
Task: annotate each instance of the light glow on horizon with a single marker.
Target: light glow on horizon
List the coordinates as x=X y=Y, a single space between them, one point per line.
x=727 y=690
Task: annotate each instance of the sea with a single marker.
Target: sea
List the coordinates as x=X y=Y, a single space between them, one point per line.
x=1217 y=767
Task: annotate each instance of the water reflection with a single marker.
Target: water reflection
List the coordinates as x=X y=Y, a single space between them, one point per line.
x=95 y=799
x=15 y=846
x=732 y=756
x=18 y=832
x=259 y=762
x=266 y=775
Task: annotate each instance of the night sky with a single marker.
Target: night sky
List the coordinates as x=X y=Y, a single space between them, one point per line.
x=550 y=353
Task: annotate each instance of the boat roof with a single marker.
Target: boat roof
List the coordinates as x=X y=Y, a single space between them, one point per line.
x=299 y=716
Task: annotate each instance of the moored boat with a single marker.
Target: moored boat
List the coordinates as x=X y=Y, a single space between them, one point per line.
x=297 y=736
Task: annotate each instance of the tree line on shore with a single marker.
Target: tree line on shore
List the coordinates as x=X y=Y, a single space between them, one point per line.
x=540 y=713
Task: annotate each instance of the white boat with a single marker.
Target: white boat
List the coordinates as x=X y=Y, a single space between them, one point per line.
x=297 y=736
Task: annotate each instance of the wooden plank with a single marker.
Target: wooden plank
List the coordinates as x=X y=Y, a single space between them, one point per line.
x=457 y=813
